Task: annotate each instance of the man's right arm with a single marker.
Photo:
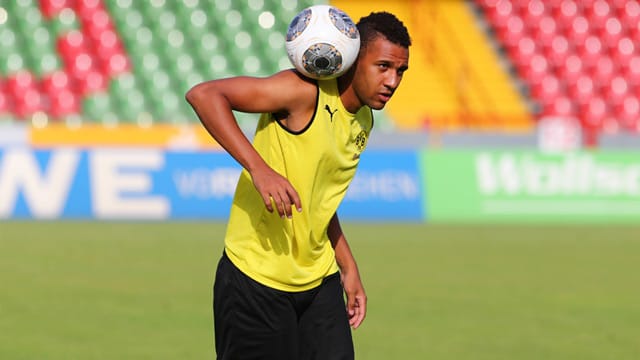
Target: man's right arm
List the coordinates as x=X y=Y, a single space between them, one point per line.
x=213 y=102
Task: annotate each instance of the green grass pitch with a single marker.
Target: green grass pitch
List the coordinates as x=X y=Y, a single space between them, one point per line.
x=118 y=290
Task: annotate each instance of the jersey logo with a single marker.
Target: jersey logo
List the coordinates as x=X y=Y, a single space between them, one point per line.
x=361 y=140
x=326 y=107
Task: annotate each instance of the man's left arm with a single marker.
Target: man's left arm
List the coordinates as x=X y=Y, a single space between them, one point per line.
x=356 y=297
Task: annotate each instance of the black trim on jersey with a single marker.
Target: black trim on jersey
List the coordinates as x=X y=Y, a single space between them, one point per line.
x=313 y=116
x=372 y=118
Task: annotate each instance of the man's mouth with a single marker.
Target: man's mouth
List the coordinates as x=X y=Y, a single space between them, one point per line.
x=384 y=97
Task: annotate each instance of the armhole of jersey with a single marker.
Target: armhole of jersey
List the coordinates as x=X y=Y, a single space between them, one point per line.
x=313 y=116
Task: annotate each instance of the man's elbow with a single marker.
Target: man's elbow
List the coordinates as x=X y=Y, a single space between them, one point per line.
x=193 y=94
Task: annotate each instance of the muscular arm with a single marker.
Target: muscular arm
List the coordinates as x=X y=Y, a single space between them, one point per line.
x=213 y=102
x=356 y=296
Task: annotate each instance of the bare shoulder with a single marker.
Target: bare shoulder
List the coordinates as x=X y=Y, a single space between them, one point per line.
x=285 y=91
x=291 y=85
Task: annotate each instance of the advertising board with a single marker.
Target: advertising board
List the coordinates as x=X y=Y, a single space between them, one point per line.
x=158 y=184
x=467 y=185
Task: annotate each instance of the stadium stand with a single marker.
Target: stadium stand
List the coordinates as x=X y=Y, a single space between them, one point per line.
x=123 y=61
x=126 y=62
x=114 y=62
x=455 y=79
x=576 y=58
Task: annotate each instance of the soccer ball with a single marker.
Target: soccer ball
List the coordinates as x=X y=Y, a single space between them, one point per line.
x=322 y=42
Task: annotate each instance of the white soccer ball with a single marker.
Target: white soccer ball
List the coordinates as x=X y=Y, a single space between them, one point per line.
x=322 y=42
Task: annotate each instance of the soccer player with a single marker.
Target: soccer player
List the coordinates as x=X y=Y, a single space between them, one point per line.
x=280 y=284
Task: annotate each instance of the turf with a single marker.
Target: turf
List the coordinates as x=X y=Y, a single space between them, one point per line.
x=118 y=290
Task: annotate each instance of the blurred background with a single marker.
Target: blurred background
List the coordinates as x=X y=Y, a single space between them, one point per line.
x=531 y=108
x=501 y=183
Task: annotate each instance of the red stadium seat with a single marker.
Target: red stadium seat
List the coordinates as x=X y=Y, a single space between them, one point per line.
x=618 y=4
x=55 y=82
x=64 y=103
x=578 y=30
x=628 y=113
x=90 y=81
x=545 y=30
x=86 y=8
x=598 y=13
x=558 y=50
x=533 y=12
x=523 y=51
x=107 y=45
x=612 y=32
x=565 y=12
x=547 y=90
x=51 y=8
x=585 y=4
x=604 y=70
x=512 y=32
x=616 y=90
x=560 y=106
x=591 y=50
x=630 y=14
x=71 y=44
x=537 y=68
x=5 y=102
x=499 y=13
x=582 y=91
x=631 y=70
x=571 y=69
x=98 y=22
x=594 y=113
x=624 y=50
x=116 y=64
x=27 y=102
x=62 y=98
x=20 y=82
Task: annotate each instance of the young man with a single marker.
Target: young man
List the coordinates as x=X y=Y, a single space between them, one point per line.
x=278 y=292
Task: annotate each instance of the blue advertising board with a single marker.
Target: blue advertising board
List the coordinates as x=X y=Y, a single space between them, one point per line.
x=387 y=186
x=140 y=183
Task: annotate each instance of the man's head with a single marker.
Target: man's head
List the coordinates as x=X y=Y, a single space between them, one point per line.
x=382 y=61
x=383 y=24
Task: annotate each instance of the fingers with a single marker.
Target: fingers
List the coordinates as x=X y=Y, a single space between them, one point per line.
x=283 y=202
x=277 y=192
x=267 y=202
x=357 y=310
x=294 y=198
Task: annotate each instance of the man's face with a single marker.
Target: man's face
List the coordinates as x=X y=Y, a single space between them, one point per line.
x=379 y=71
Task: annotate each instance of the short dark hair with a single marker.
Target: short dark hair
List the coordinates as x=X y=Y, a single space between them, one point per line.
x=385 y=24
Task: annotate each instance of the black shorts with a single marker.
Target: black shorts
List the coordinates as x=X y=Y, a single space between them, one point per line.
x=253 y=321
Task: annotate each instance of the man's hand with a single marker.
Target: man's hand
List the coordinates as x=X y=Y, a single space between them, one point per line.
x=276 y=191
x=356 y=298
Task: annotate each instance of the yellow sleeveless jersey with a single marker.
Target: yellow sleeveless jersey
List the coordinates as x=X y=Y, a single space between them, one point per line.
x=320 y=162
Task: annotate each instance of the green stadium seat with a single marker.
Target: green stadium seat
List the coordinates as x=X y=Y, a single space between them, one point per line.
x=65 y=21
x=132 y=20
x=11 y=63
x=44 y=63
x=219 y=66
x=129 y=104
x=26 y=20
x=222 y=6
x=120 y=6
x=40 y=52
x=97 y=108
x=123 y=83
